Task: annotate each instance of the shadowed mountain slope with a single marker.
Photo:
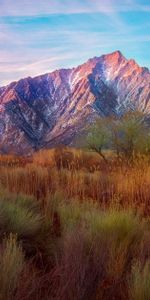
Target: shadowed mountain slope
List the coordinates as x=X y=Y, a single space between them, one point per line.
x=51 y=109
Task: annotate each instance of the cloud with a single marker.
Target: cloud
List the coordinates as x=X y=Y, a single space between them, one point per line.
x=78 y=47
x=32 y=45
x=39 y=7
x=44 y=7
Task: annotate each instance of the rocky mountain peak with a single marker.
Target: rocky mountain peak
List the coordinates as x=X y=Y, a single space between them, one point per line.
x=53 y=108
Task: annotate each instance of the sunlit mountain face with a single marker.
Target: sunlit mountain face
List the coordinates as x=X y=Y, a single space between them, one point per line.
x=54 y=108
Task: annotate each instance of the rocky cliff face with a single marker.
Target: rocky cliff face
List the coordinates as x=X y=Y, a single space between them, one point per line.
x=51 y=109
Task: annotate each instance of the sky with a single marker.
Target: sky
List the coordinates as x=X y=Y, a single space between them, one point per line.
x=39 y=36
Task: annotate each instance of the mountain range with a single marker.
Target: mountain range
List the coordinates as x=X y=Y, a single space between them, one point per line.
x=54 y=108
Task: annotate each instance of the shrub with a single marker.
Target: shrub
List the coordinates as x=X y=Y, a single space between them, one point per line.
x=11 y=266
x=16 y=218
x=98 y=251
x=118 y=224
x=82 y=265
x=73 y=212
x=140 y=282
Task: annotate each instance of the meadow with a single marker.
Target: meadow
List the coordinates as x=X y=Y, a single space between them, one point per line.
x=73 y=227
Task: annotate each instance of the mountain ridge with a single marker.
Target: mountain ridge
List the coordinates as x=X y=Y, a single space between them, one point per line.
x=52 y=108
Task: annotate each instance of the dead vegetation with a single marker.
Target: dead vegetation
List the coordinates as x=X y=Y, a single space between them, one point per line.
x=76 y=227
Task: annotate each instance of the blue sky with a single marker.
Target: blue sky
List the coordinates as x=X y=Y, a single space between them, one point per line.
x=38 y=36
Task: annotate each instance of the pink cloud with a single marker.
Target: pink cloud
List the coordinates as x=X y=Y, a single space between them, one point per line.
x=42 y=7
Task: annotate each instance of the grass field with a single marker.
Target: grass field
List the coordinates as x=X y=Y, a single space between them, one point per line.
x=74 y=227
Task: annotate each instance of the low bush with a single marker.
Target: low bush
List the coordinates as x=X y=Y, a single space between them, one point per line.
x=140 y=281
x=11 y=266
x=17 y=217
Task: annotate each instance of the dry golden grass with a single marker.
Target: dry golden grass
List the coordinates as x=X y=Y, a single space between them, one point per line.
x=81 y=175
x=90 y=225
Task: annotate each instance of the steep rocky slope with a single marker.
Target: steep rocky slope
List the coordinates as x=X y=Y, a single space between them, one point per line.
x=51 y=109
